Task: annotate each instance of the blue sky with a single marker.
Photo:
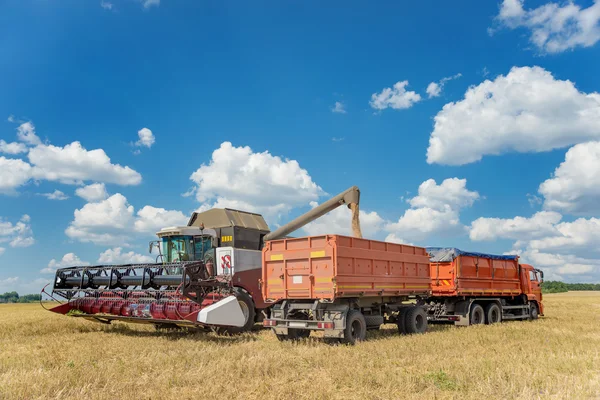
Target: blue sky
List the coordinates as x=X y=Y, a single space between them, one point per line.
x=272 y=106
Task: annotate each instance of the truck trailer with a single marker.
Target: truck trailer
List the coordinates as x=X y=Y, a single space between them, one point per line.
x=475 y=288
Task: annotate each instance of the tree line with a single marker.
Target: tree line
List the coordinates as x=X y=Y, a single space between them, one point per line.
x=560 y=287
x=13 y=297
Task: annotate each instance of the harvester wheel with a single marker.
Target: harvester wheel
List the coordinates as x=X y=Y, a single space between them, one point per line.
x=356 y=327
x=401 y=320
x=415 y=320
x=493 y=315
x=247 y=306
x=533 y=312
x=477 y=316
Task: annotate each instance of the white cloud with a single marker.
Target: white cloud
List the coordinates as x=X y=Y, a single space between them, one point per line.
x=26 y=133
x=150 y=3
x=92 y=193
x=19 y=234
x=12 y=148
x=152 y=219
x=74 y=164
x=106 y=5
x=392 y=238
x=434 y=89
x=112 y=222
x=117 y=256
x=554 y=27
x=11 y=118
x=436 y=209
x=575 y=186
x=56 y=195
x=339 y=222
x=396 y=97
x=2 y=250
x=339 y=108
x=13 y=173
x=239 y=178
x=68 y=260
x=22 y=287
x=527 y=110
x=581 y=234
x=146 y=138
x=541 y=224
x=105 y=222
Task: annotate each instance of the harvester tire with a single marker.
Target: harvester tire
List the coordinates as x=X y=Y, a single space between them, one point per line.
x=356 y=327
x=401 y=320
x=533 y=312
x=415 y=320
x=493 y=314
x=477 y=316
x=247 y=306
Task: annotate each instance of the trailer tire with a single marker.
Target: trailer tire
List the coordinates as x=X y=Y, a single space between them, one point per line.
x=356 y=327
x=401 y=320
x=477 y=316
x=247 y=306
x=295 y=333
x=493 y=314
x=416 y=320
x=533 y=312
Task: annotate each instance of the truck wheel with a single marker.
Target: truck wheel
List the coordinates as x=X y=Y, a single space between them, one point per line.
x=493 y=314
x=247 y=306
x=477 y=316
x=416 y=320
x=401 y=321
x=356 y=327
x=533 y=311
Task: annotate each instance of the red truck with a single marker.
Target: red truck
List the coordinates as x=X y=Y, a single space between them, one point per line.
x=475 y=288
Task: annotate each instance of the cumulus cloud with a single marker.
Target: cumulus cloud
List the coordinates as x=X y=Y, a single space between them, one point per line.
x=117 y=256
x=237 y=177
x=338 y=108
x=26 y=134
x=339 y=222
x=434 y=89
x=528 y=110
x=73 y=164
x=146 y=138
x=152 y=219
x=68 y=260
x=541 y=224
x=19 y=234
x=21 y=286
x=113 y=222
x=396 y=97
x=56 y=195
x=150 y=3
x=553 y=27
x=92 y=193
x=436 y=209
x=575 y=185
x=12 y=148
x=13 y=174
x=106 y=5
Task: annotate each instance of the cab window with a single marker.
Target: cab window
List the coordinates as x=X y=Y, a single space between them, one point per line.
x=532 y=276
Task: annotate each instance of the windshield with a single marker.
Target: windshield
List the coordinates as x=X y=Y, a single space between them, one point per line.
x=185 y=248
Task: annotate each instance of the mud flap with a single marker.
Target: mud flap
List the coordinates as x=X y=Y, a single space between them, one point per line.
x=226 y=312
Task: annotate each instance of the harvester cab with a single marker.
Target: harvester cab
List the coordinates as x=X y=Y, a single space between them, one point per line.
x=185 y=243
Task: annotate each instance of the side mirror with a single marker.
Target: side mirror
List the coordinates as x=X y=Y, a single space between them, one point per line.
x=150 y=246
x=215 y=242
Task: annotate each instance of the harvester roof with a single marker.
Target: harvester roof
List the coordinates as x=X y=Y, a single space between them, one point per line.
x=226 y=217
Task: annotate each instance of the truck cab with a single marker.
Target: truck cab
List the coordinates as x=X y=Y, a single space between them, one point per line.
x=531 y=283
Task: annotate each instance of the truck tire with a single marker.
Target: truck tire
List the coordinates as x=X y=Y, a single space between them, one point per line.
x=294 y=333
x=477 y=316
x=401 y=320
x=247 y=306
x=493 y=314
x=356 y=327
x=533 y=312
x=415 y=320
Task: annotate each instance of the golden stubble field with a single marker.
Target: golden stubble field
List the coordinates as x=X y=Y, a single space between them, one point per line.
x=47 y=356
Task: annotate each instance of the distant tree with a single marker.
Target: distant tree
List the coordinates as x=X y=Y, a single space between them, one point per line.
x=13 y=297
x=560 y=287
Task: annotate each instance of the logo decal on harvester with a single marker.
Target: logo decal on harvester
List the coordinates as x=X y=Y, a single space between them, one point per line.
x=226 y=263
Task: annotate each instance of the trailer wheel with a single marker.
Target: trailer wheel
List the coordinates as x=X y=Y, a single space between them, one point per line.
x=415 y=320
x=247 y=306
x=356 y=327
x=401 y=321
x=477 y=316
x=295 y=333
x=533 y=311
x=493 y=314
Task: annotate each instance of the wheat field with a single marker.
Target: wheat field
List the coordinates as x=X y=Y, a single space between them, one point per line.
x=47 y=356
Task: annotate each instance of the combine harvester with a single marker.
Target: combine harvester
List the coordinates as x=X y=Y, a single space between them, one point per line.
x=208 y=275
